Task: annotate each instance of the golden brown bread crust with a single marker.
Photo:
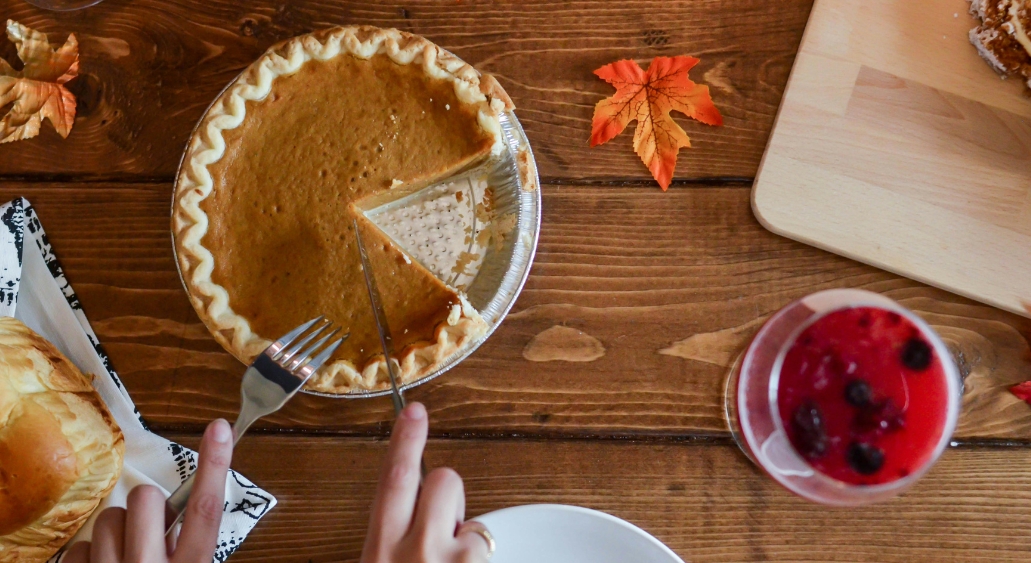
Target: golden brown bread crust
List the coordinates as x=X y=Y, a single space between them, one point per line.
x=37 y=466
x=60 y=449
x=1003 y=38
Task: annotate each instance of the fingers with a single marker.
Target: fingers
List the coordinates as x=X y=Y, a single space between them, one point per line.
x=77 y=553
x=441 y=505
x=409 y=524
x=108 y=536
x=399 y=479
x=196 y=543
x=144 y=526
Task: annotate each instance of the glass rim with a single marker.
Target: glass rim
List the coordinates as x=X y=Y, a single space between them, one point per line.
x=64 y=5
x=952 y=382
x=859 y=299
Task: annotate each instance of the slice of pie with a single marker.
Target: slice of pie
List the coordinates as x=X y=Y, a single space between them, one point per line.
x=319 y=128
x=1004 y=37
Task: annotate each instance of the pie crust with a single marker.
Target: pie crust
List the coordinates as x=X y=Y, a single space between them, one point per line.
x=190 y=223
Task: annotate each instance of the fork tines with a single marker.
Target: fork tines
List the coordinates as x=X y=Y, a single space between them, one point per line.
x=293 y=353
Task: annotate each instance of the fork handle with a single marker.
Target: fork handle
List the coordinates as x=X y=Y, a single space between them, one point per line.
x=175 y=505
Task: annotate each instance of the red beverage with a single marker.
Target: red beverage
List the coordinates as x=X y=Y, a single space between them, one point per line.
x=863 y=396
x=844 y=397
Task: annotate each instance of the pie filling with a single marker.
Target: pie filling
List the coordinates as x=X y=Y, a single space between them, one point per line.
x=329 y=141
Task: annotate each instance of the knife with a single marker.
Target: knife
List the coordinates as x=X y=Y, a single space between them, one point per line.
x=381 y=321
x=385 y=339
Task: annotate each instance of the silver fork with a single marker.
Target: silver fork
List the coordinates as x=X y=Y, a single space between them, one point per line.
x=270 y=381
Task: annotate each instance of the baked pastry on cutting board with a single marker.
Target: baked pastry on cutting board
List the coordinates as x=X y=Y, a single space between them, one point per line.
x=1004 y=37
x=61 y=451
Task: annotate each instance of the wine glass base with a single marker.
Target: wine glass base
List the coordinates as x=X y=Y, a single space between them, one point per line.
x=63 y=5
x=730 y=406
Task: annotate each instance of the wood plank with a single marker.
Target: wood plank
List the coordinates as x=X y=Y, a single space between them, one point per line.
x=669 y=286
x=150 y=68
x=708 y=503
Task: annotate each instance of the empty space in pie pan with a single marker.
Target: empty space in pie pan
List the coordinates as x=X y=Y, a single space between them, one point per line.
x=503 y=252
x=494 y=286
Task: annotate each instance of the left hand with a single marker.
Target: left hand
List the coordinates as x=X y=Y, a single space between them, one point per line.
x=136 y=533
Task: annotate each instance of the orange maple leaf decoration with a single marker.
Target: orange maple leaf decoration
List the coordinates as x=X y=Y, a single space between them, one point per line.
x=37 y=91
x=1023 y=390
x=648 y=97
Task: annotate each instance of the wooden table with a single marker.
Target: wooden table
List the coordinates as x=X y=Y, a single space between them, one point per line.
x=669 y=285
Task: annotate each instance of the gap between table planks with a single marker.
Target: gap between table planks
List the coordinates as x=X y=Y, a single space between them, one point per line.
x=637 y=270
x=708 y=503
x=670 y=286
x=149 y=69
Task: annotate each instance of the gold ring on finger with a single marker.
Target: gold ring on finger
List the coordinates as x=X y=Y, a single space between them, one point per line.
x=475 y=527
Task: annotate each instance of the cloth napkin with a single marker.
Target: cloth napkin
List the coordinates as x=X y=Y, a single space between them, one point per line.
x=33 y=289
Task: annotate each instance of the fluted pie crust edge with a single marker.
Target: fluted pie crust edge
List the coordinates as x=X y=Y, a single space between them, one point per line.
x=207 y=146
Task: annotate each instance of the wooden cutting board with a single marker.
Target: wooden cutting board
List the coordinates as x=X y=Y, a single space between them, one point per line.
x=896 y=145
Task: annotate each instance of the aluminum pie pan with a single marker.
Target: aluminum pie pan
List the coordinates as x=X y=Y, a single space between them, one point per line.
x=515 y=181
x=503 y=274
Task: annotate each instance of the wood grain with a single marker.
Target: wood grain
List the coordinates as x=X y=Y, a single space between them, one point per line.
x=708 y=503
x=653 y=294
x=897 y=145
x=672 y=285
x=150 y=68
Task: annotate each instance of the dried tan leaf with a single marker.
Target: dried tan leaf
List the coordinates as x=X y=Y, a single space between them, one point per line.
x=38 y=91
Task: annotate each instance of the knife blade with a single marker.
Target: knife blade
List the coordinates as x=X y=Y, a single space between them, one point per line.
x=385 y=340
x=380 y=315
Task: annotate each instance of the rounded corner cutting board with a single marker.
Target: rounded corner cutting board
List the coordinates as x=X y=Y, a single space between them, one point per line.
x=896 y=145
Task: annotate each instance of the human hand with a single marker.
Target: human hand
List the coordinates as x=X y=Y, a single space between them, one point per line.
x=136 y=533
x=412 y=526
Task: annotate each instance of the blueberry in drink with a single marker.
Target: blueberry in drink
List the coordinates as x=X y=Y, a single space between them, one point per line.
x=863 y=396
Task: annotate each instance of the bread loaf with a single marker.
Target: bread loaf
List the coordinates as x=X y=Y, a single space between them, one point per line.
x=60 y=449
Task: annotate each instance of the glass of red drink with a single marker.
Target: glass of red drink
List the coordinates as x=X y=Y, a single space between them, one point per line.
x=844 y=397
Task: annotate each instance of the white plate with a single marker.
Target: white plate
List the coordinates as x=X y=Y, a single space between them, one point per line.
x=555 y=533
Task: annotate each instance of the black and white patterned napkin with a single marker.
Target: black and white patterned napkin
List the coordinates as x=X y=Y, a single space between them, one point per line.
x=33 y=289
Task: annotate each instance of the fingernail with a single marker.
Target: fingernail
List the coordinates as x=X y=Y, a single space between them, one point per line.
x=415 y=411
x=221 y=432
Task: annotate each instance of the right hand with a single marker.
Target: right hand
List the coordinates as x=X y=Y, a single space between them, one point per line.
x=413 y=526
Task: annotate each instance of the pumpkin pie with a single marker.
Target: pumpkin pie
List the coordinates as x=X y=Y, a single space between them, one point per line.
x=319 y=129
